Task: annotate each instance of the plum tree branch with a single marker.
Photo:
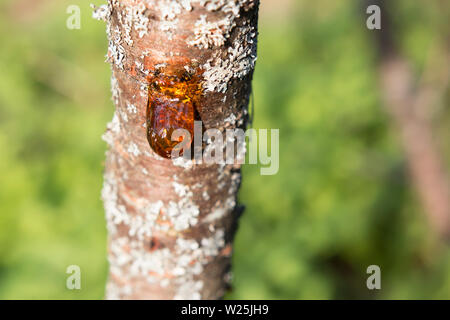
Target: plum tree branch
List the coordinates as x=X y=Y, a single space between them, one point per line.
x=410 y=104
x=171 y=222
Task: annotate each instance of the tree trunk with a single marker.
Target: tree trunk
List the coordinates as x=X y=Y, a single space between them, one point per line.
x=410 y=103
x=171 y=222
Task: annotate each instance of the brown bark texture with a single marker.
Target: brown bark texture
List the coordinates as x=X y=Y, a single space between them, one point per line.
x=171 y=222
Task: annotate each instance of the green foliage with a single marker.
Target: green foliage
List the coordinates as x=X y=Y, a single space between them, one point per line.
x=340 y=202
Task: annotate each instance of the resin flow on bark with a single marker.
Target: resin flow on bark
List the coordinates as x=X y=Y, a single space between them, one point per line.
x=173 y=102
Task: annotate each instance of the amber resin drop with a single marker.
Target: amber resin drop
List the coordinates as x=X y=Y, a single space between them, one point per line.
x=172 y=101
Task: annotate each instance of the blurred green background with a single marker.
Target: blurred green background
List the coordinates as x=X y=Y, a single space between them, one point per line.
x=341 y=201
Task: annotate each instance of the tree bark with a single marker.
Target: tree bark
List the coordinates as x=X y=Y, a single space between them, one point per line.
x=171 y=222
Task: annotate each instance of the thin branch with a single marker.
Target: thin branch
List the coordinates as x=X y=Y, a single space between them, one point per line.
x=410 y=103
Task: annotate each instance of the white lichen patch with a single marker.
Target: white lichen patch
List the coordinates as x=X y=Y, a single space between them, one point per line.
x=169 y=27
x=183 y=214
x=140 y=66
x=239 y=62
x=133 y=149
x=189 y=291
x=215 y=215
x=222 y=174
x=179 y=267
x=112 y=129
x=115 y=89
x=135 y=18
x=223 y=208
x=100 y=13
x=208 y=34
x=233 y=7
x=142 y=226
x=116 y=52
x=169 y=9
x=131 y=17
x=186 y=4
x=115 y=213
x=181 y=190
x=212 y=245
x=131 y=108
x=182 y=162
x=143 y=90
x=116 y=292
x=235 y=181
x=231 y=119
x=221 y=185
x=176 y=215
x=123 y=115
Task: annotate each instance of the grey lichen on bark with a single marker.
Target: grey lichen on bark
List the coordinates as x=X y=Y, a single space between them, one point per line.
x=171 y=222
